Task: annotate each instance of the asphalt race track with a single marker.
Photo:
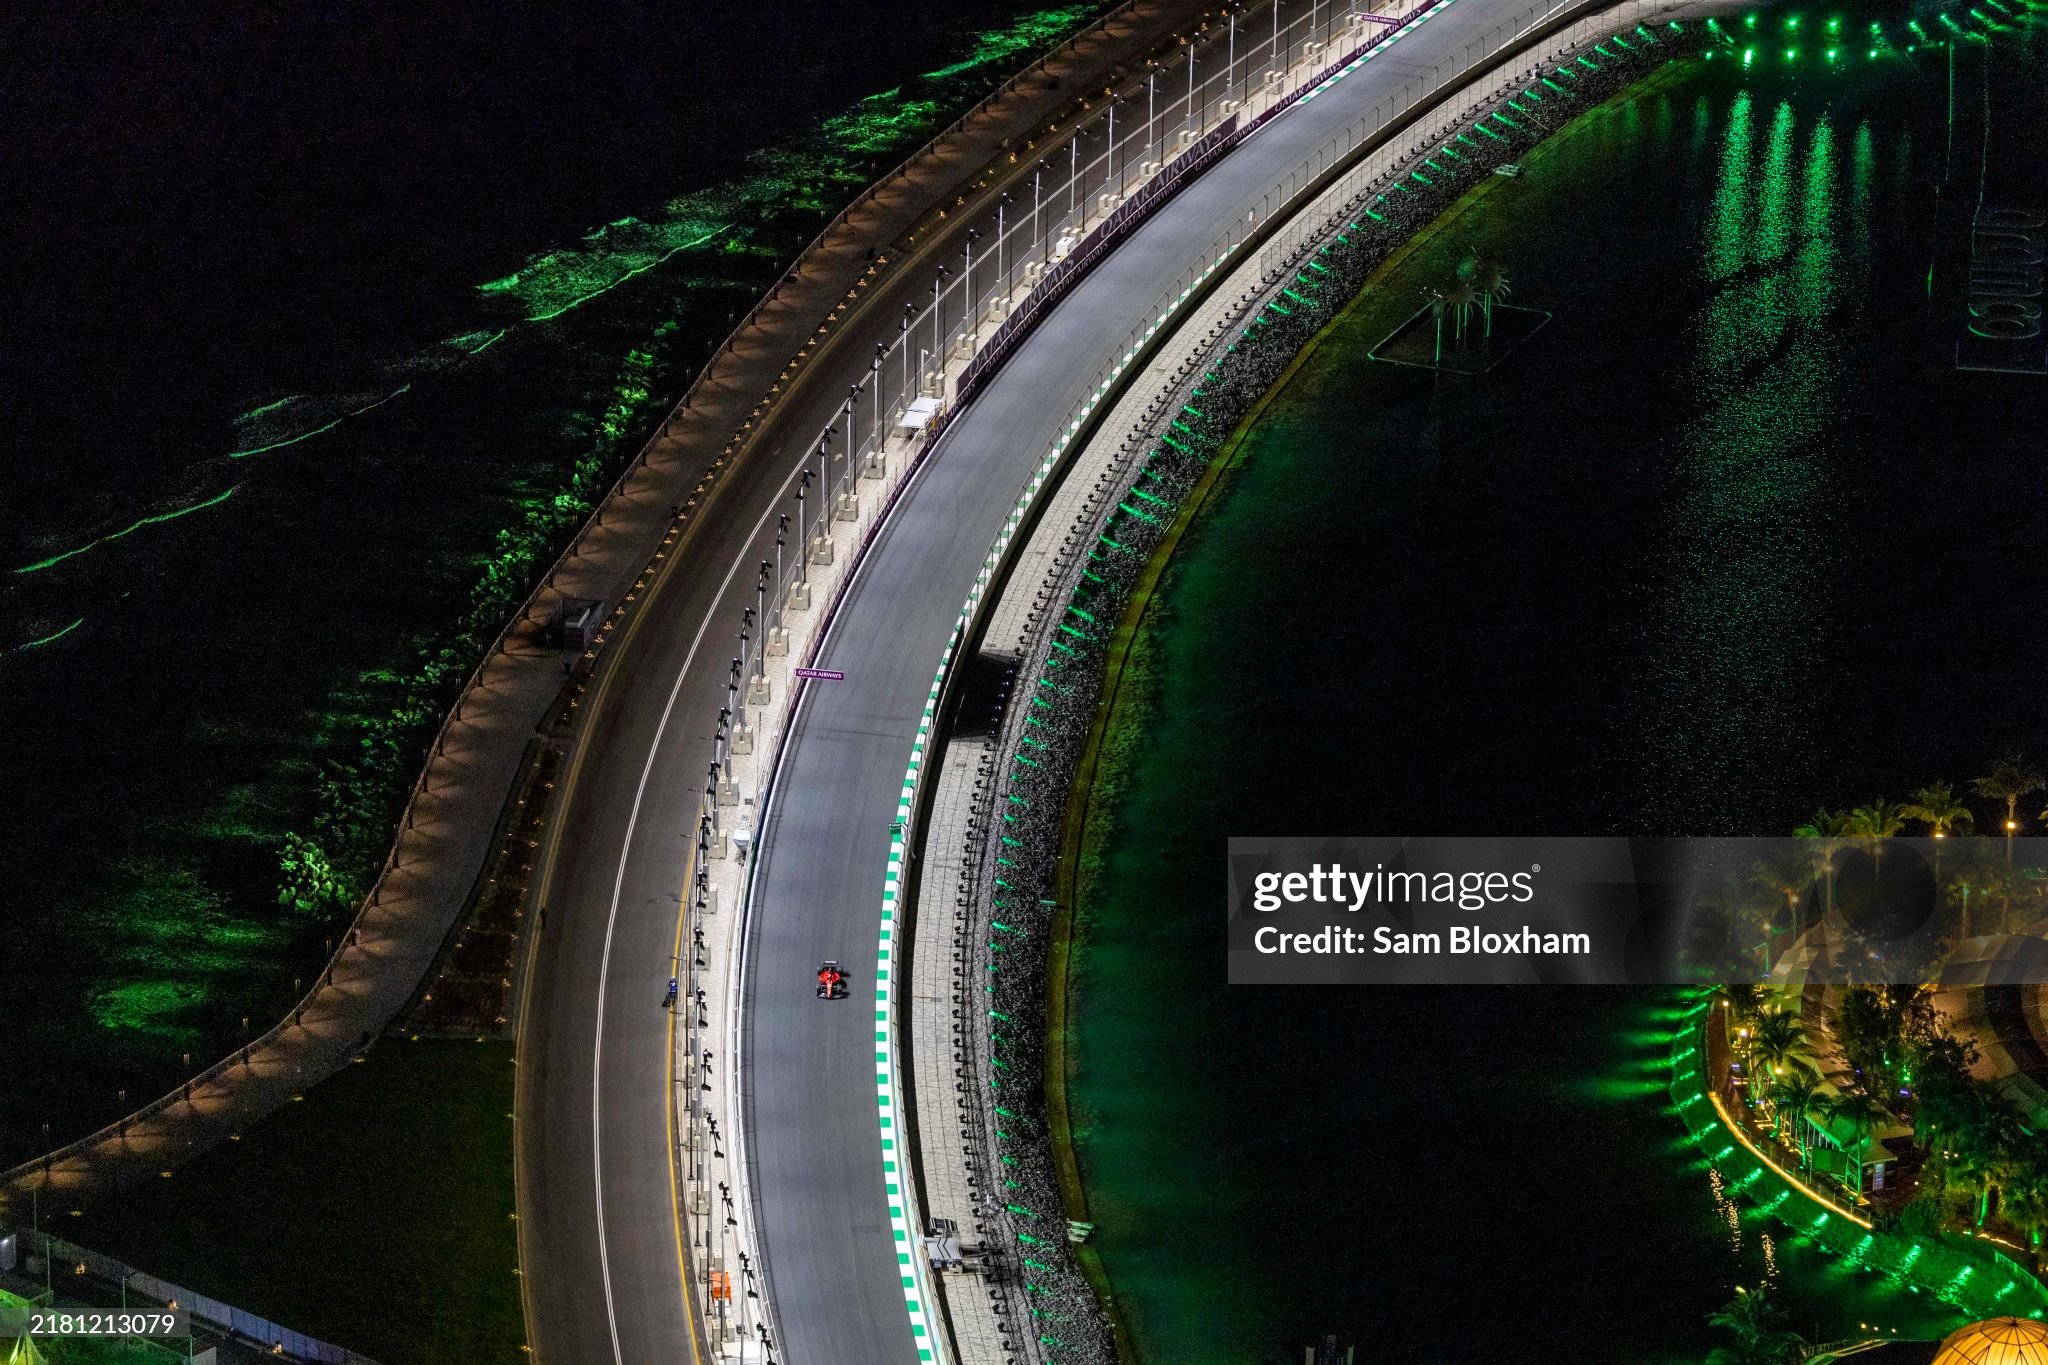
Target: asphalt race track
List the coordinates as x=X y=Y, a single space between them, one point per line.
x=813 y=1141
x=602 y=1265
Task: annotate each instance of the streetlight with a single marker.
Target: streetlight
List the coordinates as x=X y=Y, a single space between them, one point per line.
x=875 y=382
x=803 y=553
x=1113 y=102
x=973 y=318
x=1002 y=245
x=937 y=282
x=852 y=432
x=903 y=340
x=1073 y=173
x=1230 y=70
x=1151 y=112
x=1037 y=199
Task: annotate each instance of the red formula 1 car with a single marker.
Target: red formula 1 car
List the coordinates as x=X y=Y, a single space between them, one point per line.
x=831 y=982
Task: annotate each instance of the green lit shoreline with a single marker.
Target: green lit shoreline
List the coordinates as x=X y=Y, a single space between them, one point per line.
x=1845 y=149
x=1975 y=1279
x=210 y=912
x=1130 y=691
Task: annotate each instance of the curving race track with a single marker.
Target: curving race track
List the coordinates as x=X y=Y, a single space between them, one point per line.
x=817 y=1170
x=595 y=1053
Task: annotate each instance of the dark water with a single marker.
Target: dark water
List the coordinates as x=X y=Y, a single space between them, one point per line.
x=1726 y=541
x=324 y=325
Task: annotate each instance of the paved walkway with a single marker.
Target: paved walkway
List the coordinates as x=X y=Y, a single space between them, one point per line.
x=446 y=832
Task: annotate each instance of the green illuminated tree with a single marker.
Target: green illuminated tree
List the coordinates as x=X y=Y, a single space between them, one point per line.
x=1757 y=1326
x=1988 y=1147
x=1778 y=1042
x=1823 y=824
x=1794 y=1097
x=1861 y=1114
x=2025 y=1199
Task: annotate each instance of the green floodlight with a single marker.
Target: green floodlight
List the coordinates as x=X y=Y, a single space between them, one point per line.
x=1834 y=25
x=1833 y=53
x=1748 y=55
x=1749 y=20
x=1791 y=54
x=1792 y=23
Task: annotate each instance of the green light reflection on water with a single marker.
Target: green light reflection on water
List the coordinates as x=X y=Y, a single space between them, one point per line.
x=154 y=519
x=1748 y=538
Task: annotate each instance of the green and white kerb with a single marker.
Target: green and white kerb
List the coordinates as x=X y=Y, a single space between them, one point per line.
x=914 y=1270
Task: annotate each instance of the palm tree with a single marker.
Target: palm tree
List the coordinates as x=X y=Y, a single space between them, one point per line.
x=1973 y=880
x=1778 y=1041
x=1988 y=1147
x=1759 y=1339
x=1490 y=278
x=1822 y=824
x=2000 y=879
x=1742 y=997
x=1862 y=1114
x=1875 y=823
x=1493 y=286
x=2025 y=1200
x=1944 y=811
x=2010 y=778
x=1881 y=819
x=1461 y=298
x=1825 y=829
x=1436 y=313
x=1795 y=1096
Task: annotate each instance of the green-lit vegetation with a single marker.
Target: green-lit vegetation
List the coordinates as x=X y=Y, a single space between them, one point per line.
x=154 y=519
x=1870 y=1094
x=376 y=1214
x=326 y=869
x=104 y=1351
x=1756 y=1331
x=1045 y=27
x=1727 y=1123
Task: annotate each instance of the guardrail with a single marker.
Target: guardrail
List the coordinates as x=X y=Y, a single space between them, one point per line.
x=220 y=1316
